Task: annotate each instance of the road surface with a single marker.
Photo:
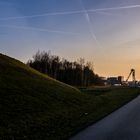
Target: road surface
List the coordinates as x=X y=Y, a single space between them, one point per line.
x=123 y=124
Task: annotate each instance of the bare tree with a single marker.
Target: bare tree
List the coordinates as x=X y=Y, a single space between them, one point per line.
x=74 y=73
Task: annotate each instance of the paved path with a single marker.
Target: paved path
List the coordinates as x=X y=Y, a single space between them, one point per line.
x=123 y=124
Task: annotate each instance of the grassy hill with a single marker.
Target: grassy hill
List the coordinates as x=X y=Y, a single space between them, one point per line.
x=35 y=106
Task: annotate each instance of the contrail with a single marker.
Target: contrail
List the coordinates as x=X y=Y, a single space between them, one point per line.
x=73 y=12
x=89 y=24
x=107 y=13
x=39 y=29
x=45 y=14
x=115 y=8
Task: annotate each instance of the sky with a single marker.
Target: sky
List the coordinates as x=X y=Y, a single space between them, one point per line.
x=105 y=32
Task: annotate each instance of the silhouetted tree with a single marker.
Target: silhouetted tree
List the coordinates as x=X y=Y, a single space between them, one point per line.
x=74 y=73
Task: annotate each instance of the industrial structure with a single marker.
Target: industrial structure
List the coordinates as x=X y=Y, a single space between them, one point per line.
x=132 y=83
x=115 y=81
x=132 y=72
x=119 y=81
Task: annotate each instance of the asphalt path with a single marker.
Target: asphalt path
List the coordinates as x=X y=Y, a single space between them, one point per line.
x=123 y=124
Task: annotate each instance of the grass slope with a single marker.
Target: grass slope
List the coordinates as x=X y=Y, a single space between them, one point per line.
x=35 y=106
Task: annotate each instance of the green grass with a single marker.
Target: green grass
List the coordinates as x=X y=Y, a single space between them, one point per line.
x=36 y=107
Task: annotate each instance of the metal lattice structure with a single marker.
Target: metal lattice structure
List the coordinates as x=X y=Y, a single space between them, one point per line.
x=132 y=72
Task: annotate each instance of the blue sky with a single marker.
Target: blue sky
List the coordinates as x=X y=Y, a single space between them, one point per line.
x=107 y=37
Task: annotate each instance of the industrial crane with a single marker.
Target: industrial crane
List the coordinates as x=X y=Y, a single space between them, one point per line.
x=132 y=72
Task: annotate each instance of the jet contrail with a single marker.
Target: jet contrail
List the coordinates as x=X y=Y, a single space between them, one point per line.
x=114 y=8
x=107 y=13
x=39 y=29
x=73 y=12
x=89 y=24
x=44 y=14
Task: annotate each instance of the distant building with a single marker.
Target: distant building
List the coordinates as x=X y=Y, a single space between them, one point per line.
x=121 y=79
x=104 y=80
x=114 y=81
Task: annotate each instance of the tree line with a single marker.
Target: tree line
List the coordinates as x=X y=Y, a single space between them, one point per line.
x=77 y=73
